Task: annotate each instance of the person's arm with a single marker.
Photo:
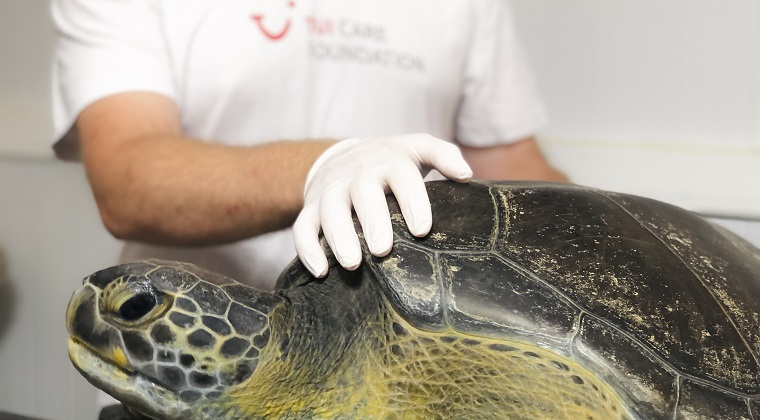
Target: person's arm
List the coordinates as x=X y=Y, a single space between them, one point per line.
x=152 y=184
x=521 y=160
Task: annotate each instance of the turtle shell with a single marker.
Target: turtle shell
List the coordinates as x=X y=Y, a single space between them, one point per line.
x=661 y=304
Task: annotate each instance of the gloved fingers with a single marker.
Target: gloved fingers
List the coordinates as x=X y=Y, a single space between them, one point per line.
x=338 y=227
x=396 y=162
x=368 y=197
x=306 y=236
x=405 y=180
x=443 y=156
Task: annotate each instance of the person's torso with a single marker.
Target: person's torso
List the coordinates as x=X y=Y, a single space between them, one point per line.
x=250 y=71
x=254 y=71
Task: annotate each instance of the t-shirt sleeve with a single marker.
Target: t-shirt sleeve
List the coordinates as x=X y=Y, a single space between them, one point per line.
x=499 y=99
x=104 y=48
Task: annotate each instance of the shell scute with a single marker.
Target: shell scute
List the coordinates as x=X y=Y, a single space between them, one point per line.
x=462 y=206
x=410 y=280
x=639 y=371
x=700 y=401
x=720 y=292
x=487 y=296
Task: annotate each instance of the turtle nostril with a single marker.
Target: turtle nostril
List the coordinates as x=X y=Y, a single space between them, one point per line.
x=137 y=306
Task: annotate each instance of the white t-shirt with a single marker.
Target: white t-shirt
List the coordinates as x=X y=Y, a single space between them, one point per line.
x=252 y=71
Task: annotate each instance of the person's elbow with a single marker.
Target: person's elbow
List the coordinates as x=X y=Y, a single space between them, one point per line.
x=121 y=223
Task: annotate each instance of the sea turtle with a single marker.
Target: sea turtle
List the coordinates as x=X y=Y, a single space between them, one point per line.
x=527 y=300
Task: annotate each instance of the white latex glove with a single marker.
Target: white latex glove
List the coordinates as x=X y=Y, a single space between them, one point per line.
x=360 y=172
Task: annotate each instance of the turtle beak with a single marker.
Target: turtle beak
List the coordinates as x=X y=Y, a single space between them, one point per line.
x=82 y=301
x=87 y=328
x=84 y=323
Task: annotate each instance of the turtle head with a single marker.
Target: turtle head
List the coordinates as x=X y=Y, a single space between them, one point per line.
x=167 y=339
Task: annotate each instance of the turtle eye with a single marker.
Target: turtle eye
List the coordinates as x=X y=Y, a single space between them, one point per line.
x=130 y=303
x=137 y=307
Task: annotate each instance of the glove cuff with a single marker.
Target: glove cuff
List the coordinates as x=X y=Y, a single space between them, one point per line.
x=325 y=156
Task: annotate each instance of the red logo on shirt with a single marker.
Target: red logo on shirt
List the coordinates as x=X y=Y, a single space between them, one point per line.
x=275 y=34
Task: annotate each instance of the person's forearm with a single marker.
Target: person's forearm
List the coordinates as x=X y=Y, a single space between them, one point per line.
x=172 y=190
x=521 y=160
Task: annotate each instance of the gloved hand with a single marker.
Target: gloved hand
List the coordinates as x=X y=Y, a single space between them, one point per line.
x=360 y=172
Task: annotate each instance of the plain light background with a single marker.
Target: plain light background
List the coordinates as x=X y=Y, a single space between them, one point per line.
x=655 y=97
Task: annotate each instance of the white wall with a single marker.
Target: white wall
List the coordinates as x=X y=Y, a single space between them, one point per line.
x=656 y=97
x=26 y=45
x=653 y=97
x=51 y=237
x=50 y=234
